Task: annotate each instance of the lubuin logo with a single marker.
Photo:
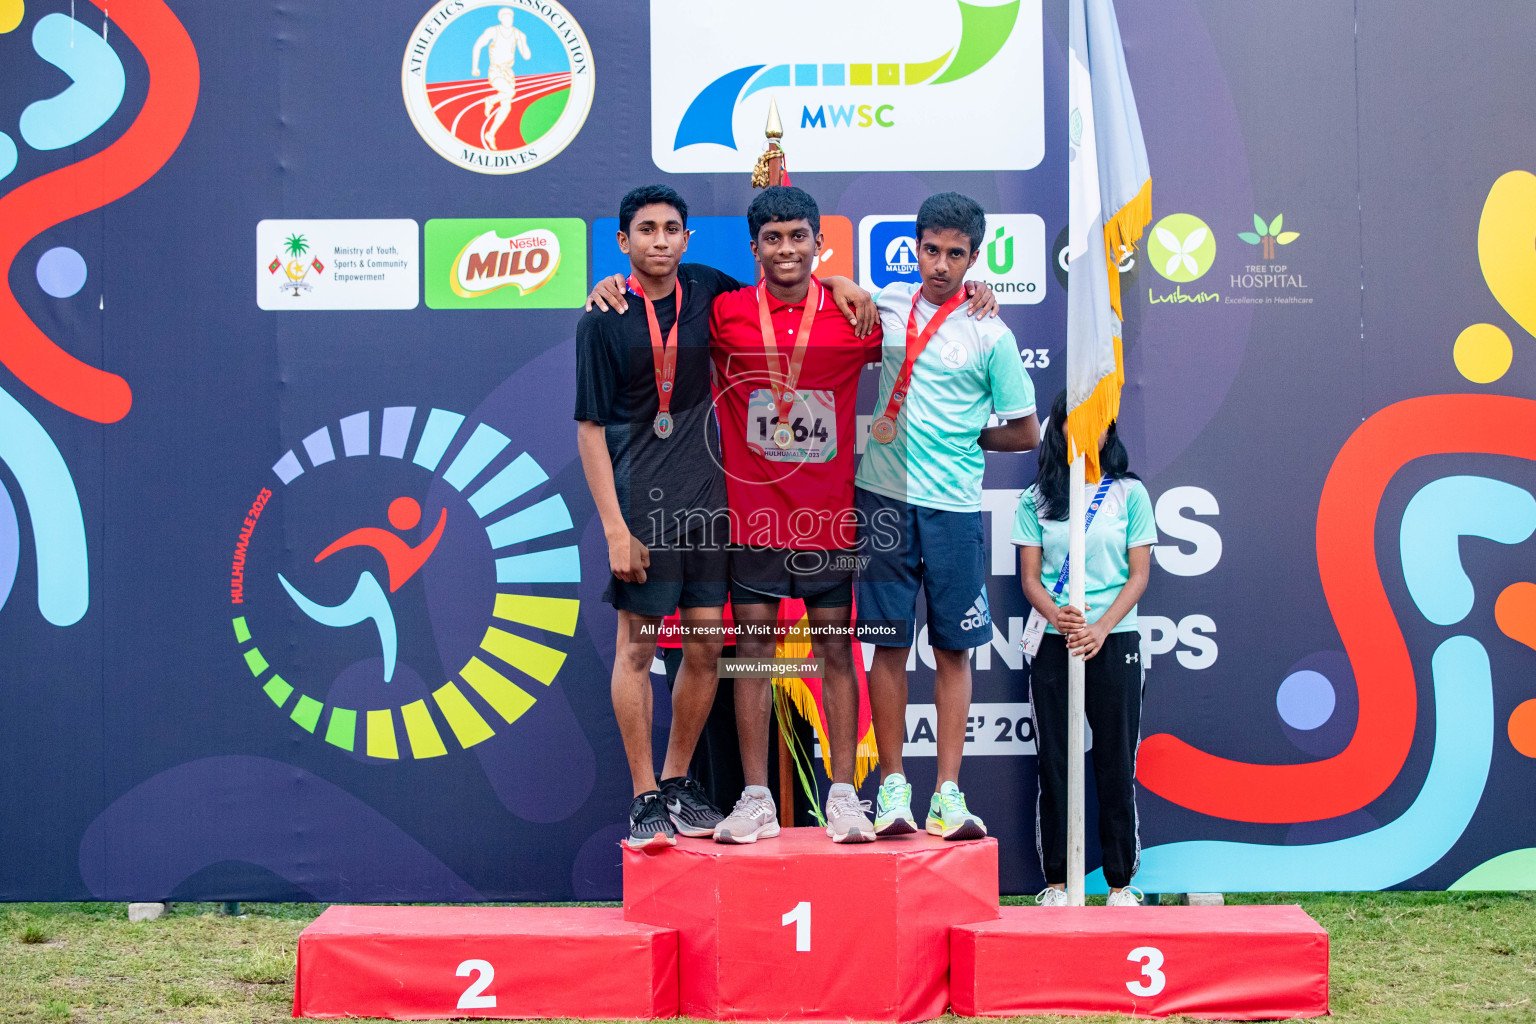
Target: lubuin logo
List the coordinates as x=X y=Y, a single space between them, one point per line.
x=1182 y=247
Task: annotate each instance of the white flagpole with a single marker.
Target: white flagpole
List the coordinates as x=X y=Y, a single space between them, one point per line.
x=1076 y=513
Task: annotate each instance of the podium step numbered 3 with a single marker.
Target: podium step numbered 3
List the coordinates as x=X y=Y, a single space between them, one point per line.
x=1232 y=963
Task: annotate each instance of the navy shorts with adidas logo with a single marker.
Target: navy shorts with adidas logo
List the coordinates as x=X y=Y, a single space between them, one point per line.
x=910 y=546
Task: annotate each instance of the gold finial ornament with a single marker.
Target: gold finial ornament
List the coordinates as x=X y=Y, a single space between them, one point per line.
x=770 y=163
x=775 y=129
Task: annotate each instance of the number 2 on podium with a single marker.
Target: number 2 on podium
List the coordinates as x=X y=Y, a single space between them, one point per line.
x=800 y=917
x=484 y=974
x=1150 y=958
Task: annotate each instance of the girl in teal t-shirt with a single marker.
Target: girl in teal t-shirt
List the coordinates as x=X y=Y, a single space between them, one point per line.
x=1118 y=563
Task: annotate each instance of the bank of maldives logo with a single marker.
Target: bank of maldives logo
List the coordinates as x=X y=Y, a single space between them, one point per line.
x=1012 y=258
x=331 y=608
x=497 y=87
x=1181 y=247
x=507 y=263
x=865 y=85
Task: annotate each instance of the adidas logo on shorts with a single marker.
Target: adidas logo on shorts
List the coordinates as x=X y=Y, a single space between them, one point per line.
x=976 y=616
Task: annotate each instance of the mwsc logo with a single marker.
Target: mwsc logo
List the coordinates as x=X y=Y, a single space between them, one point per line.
x=874 y=85
x=332 y=608
x=497 y=86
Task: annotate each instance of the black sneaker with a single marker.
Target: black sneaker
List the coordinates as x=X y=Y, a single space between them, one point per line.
x=649 y=826
x=690 y=810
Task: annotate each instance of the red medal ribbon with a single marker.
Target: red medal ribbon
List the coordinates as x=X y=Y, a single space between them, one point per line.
x=915 y=344
x=784 y=390
x=663 y=354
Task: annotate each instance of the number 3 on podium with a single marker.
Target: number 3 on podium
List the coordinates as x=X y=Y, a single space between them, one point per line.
x=1150 y=958
x=800 y=917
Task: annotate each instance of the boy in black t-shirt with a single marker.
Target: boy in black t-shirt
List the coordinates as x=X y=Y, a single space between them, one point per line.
x=649 y=446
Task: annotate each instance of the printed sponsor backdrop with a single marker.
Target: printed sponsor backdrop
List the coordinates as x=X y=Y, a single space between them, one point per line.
x=299 y=577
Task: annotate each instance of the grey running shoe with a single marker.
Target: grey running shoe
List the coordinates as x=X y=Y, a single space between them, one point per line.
x=692 y=813
x=848 y=817
x=649 y=826
x=754 y=817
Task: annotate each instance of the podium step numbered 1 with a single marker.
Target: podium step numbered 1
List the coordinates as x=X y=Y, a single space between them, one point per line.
x=799 y=929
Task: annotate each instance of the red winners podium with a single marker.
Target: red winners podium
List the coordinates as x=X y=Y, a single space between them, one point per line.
x=798 y=928
x=1242 y=963
x=417 y=963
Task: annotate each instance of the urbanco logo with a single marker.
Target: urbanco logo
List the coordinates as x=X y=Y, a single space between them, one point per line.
x=1011 y=260
x=506 y=264
x=867 y=85
x=497 y=86
x=331 y=609
x=1182 y=247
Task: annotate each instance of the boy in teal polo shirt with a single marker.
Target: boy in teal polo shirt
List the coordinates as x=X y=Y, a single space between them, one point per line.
x=919 y=501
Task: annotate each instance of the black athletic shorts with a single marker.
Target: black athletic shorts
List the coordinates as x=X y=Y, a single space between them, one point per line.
x=689 y=574
x=822 y=579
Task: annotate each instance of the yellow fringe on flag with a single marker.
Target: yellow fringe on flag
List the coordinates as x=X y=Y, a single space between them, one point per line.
x=796 y=644
x=1087 y=422
x=1091 y=418
x=1123 y=230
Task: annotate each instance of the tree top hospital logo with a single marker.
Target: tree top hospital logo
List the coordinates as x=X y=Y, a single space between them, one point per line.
x=1182 y=247
x=332 y=611
x=497 y=87
x=874 y=85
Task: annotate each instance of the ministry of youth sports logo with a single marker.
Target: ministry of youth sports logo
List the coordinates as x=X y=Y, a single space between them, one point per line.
x=497 y=86
x=335 y=614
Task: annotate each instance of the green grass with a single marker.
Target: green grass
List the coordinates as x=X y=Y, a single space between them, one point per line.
x=1398 y=958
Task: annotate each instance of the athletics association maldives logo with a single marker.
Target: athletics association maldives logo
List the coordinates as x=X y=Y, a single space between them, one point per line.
x=334 y=616
x=497 y=87
x=871 y=88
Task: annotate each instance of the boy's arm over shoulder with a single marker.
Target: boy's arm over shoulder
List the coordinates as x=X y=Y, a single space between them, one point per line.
x=714 y=282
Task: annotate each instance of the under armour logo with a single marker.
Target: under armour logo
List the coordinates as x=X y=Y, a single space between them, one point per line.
x=1129 y=658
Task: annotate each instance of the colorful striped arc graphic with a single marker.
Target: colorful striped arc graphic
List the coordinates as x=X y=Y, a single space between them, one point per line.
x=484 y=689
x=983 y=33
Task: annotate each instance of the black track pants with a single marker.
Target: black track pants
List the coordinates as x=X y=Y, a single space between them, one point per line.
x=1112 y=700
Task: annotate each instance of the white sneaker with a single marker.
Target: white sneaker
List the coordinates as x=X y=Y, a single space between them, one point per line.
x=754 y=817
x=1051 y=896
x=848 y=816
x=1130 y=896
